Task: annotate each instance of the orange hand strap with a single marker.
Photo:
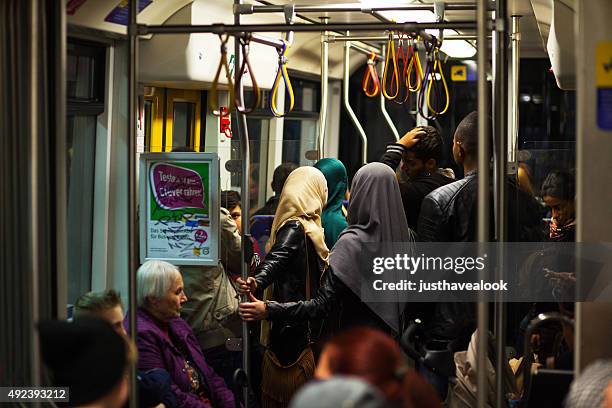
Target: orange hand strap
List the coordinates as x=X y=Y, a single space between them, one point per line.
x=370 y=83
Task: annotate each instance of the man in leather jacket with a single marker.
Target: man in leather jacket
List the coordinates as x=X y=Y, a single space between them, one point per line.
x=448 y=214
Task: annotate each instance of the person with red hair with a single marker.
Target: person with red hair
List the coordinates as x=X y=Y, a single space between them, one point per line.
x=375 y=357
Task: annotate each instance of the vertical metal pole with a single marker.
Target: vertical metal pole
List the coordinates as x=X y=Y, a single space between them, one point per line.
x=383 y=108
x=60 y=162
x=347 y=104
x=35 y=90
x=483 y=192
x=132 y=191
x=514 y=91
x=244 y=148
x=324 y=87
x=500 y=104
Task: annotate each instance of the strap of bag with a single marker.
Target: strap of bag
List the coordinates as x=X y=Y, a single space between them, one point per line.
x=307 y=268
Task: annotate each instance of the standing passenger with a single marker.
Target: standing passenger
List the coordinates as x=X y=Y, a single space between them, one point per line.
x=420 y=152
x=334 y=221
x=375 y=216
x=294 y=265
x=448 y=214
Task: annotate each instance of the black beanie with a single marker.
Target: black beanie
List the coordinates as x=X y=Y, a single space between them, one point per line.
x=87 y=356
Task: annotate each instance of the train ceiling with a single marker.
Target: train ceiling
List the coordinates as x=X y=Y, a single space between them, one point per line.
x=304 y=55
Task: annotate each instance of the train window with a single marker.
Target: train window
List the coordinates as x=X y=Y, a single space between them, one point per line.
x=84 y=66
x=154 y=101
x=148 y=113
x=85 y=101
x=547 y=140
x=183 y=124
x=299 y=136
x=258 y=128
x=183 y=109
x=81 y=136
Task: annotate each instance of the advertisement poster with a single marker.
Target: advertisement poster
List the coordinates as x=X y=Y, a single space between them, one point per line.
x=179 y=207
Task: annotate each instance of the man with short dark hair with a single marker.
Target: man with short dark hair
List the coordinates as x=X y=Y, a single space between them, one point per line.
x=448 y=214
x=420 y=152
x=278 y=181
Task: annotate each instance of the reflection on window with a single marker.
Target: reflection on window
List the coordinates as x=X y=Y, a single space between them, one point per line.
x=183 y=124
x=85 y=82
x=81 y=136
x=299 y=137
x=258 y=152
x=148 y=111
x=79 y=77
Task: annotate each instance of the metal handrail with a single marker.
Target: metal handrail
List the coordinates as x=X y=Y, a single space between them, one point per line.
x=324 y=91
x=347 y=105
x=335 y=8
x=239 y=29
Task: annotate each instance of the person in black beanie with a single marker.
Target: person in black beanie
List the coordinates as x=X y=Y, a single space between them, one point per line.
x=89 y=358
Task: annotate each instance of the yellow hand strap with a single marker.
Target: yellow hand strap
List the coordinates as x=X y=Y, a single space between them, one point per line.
x=213 y=102
x=282 y=74
x=437 y=68
x=395 y=75
x=414 y=65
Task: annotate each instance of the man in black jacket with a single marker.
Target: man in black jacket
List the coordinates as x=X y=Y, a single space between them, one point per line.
x=448 y=214
x=419 y=152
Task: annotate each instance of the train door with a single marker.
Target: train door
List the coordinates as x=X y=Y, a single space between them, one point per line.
x=173 y=119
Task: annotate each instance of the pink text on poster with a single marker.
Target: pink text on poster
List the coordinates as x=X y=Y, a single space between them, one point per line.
x=176 y=187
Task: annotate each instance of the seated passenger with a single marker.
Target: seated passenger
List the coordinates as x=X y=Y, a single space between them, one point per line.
x=166 y=341
x=88 y=357
x=153 y=386
x=559 y=193
x=375 y=215
x=419 y=152
x=333 y=220
x=592 y=387
x=376 y=358
x=278 y=180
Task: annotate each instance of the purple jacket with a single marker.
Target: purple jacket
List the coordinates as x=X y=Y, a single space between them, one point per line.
x=156 y=351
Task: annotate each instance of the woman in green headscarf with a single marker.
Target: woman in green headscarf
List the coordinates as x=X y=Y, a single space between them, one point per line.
x=333 y=219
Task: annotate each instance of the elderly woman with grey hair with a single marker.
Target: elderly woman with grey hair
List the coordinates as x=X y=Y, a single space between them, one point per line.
x=166 y=341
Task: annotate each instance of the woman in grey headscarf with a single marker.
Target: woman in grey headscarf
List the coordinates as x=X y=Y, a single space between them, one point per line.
x=375 y=216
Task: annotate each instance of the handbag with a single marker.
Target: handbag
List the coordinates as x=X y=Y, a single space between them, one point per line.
x=280 y=382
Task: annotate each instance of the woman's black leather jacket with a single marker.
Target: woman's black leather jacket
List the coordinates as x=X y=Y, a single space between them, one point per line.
x=290 y=261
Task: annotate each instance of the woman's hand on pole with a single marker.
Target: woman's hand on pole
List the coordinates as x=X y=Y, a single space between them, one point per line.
x=254 y=310
x=250 y=285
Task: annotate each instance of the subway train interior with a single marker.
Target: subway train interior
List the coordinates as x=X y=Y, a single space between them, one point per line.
x=123 y=121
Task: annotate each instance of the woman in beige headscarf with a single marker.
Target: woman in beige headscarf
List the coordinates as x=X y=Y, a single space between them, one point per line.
x=291 y=272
